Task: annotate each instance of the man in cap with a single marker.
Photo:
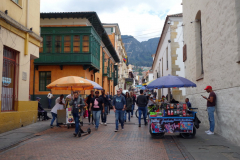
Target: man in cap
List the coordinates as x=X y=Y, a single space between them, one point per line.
x=211 y=103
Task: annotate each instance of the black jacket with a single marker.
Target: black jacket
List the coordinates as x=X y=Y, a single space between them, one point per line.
x=142 y=101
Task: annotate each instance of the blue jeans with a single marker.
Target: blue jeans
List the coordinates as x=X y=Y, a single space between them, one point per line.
x=76 y=120
x=211 y=117
x=129 y=114
x=146 y=111
x=96 y=117
x=119 y=117
x=133 y=107
x=54 y=116
x=142 y=110
x=125 y=115
x=104 y=115
x=49 y=103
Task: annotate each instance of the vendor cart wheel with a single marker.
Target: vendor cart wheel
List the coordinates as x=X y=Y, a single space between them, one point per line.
x=89 y=131
x=189 y=135
x=156 y=135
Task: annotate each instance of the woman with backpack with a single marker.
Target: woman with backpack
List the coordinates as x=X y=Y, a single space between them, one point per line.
x=129 y=102
x=97 y=106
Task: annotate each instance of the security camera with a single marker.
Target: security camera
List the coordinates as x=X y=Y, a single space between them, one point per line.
x=169 y=22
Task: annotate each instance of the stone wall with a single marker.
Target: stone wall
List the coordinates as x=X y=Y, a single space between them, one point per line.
x=220 y=43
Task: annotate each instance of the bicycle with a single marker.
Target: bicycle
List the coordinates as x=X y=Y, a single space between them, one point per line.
x=152 y=109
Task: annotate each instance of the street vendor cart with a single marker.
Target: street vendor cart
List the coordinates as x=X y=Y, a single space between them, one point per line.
x=172 y=117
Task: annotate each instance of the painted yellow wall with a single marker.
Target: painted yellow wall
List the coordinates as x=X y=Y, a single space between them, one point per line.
x=26 y=114
x=19 y=12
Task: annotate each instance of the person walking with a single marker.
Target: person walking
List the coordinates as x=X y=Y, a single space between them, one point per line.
x=88 y=100
x=109 y=97
x=50 y=97
x=129 y=103
x=105 y=109
x=59 y=105
x=133 y=96
x=142 y=103
x=119 y=105
x=97 y=105
x=211 y=103
x=76 y=103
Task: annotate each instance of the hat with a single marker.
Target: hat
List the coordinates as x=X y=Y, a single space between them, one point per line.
x=38 y=98
x=208 y=87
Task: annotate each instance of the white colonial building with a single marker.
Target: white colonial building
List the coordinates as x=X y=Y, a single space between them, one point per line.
x=212 y=57
x=168 y=58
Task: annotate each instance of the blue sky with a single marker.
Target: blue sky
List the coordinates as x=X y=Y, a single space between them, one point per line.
x=142 y=19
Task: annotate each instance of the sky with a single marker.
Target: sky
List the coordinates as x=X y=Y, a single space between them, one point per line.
x=143 y=19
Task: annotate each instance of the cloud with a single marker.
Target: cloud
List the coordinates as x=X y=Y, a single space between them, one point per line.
x=140 y=18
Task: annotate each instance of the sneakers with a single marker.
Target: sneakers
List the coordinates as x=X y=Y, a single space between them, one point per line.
x=101 y=123
x=210 y=133
x=89 y=123
x=207 y=131
x=51 y=126
x=122 y=128
x=75 y=134
x=105 y=124
x=139 y=125
x=115 y=130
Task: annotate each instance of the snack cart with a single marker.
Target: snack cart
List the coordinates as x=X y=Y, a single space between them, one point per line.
x=173 y=118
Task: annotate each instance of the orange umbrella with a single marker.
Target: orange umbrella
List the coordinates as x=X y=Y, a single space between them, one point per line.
x=70 y=83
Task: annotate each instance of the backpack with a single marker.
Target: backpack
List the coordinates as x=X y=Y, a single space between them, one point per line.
x=96 y=103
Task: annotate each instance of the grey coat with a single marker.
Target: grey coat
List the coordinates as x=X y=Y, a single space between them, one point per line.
x=129 y=102
x=75 y=106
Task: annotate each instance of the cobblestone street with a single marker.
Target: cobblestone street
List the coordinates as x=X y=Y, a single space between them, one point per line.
x=131 y=143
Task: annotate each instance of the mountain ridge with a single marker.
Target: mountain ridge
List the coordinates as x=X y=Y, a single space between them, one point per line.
x=139 y=53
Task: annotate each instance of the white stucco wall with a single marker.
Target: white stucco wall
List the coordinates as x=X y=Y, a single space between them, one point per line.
x=220 y=38
x=161 y=54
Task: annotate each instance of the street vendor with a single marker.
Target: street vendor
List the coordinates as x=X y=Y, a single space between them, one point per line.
x=76 y=103
x=59 y=105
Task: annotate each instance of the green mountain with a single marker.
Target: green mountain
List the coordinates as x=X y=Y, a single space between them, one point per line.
x=139 y=53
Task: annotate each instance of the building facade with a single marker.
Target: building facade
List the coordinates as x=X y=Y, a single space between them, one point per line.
x=114 y=33
x=168 y=58
x=74 y=44
x=212 y=57
x=19 y=43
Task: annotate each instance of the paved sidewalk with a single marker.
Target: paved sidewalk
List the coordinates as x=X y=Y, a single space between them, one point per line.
x=131 y=143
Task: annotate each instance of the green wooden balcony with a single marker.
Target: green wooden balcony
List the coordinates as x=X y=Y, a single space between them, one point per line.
x=115 y=79
x=106 y=71
x=68 y=59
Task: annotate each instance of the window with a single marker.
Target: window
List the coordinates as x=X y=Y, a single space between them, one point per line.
x=92 y=77
x=76 y=44
x=167 y=57
x=199 y=48
x=109 y=30
x=9 y=79
x=85 y=43
x=44 y=80
x=58 y=42
x=67 y=44
x=98 y=81
x=48 y=44
x=41 y=47
x=16 y=1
